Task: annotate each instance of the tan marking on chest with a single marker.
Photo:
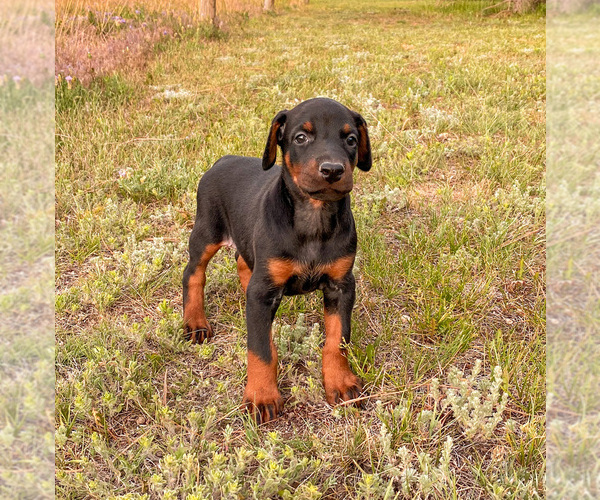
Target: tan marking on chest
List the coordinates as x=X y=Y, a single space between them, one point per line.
x=337 y=269
x=281 y=270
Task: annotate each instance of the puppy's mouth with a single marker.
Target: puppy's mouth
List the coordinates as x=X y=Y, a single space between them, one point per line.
x=328 y=194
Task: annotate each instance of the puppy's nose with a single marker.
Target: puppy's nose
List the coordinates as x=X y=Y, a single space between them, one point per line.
x=331 y=171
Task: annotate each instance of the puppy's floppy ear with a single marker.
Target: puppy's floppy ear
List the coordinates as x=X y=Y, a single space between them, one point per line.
x=364 y=145
x=275 y=136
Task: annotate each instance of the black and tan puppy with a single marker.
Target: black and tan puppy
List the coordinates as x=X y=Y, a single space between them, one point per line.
x=294 y=233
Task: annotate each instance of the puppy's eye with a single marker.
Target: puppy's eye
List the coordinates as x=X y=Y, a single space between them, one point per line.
x=300 y=139
x=351 y=140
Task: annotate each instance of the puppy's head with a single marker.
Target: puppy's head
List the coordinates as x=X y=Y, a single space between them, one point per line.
x=322 y=142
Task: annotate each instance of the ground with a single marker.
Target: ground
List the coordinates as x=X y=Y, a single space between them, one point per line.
x=449 y=324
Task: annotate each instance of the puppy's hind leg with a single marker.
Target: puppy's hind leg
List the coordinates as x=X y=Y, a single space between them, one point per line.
x=202 y=249
x=244 y=272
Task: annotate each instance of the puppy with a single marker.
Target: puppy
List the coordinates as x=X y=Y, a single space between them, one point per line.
x=294 y=233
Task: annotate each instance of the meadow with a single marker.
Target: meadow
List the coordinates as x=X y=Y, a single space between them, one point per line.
x=449 y=323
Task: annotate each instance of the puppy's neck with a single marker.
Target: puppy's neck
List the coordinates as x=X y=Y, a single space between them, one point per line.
x=311 y=218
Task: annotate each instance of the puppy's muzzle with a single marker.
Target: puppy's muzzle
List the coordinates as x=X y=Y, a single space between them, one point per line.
x=331 y=172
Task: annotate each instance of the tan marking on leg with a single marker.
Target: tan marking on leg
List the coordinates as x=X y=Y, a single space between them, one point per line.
x=339 y=381
x=194 y=316
x=261 y=395
x=244 y=272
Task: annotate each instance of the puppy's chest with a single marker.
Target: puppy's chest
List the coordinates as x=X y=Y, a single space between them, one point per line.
x=312 y=222
x=305 y=283
x=310 y=271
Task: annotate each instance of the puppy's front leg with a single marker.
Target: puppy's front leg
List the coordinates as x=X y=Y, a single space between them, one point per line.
x=261 y=396
x=339 y=381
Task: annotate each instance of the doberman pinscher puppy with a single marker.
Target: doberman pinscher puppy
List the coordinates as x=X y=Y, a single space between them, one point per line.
x=293 y=232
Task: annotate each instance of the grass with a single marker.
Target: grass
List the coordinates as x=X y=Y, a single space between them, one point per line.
x=96 y=38
x=573 y=210
x=26 y=252
x=450 y=270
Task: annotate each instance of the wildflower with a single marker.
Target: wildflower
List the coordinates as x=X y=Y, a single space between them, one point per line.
x=69 y=79
x=17 y=80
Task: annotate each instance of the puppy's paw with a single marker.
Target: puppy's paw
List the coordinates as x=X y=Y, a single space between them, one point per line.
x=264 y=405
x=342 y=386
x=197 y=333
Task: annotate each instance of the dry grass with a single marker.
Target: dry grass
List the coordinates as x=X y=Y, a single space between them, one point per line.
x=68 y=7
x=84 y=54
x=98 y=38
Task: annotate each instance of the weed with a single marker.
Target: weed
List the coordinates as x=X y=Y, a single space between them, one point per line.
x=476 y=405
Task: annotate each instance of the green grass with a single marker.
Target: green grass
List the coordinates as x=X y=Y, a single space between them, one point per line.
x=573 y=211
x=450 y=267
